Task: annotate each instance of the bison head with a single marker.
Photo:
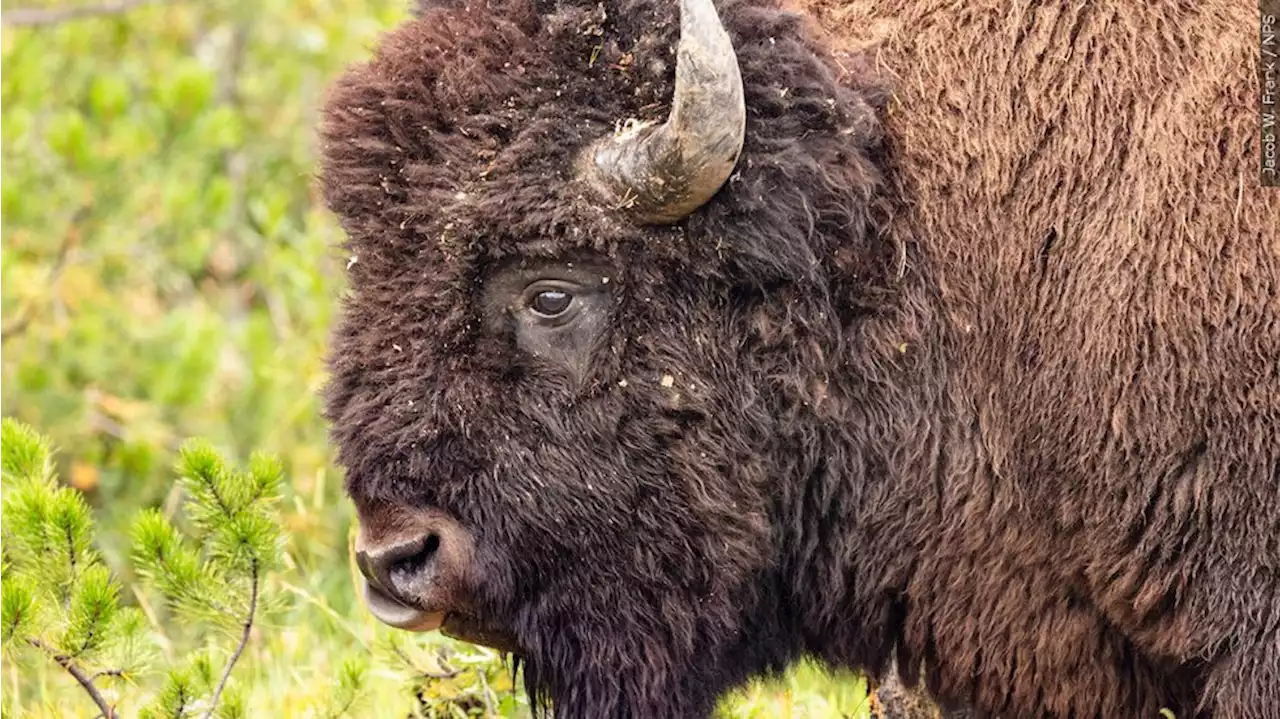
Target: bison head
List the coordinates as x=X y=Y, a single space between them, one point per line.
x=609 y=336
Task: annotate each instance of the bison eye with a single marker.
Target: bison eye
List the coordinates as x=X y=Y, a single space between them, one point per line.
x=551 y=303
x=556 y=312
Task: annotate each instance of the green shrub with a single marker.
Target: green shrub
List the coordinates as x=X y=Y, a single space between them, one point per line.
x=61 y=602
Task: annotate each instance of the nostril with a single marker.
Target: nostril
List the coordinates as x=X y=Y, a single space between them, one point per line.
x=414 y=560
x=401 y=570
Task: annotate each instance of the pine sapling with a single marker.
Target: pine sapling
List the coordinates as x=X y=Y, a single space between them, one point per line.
x=59 y=599
x=218 y=578
x=349 y=690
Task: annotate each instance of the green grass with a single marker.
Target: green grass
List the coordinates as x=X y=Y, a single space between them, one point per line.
x=169 y=272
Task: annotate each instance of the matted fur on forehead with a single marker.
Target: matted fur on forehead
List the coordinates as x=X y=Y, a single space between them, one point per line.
x=455 y=144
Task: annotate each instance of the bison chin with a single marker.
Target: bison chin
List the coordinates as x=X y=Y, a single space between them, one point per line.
x=610 y=664
x=603 y=622
x=475 y=630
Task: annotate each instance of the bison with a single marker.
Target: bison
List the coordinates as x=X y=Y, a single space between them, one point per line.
x=685 y=340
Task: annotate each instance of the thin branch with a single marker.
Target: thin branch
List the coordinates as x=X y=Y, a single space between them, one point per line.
x=69 y=242
x=17 y=326
x=484 y=694
x=395 y=648
x=87 y=682
x=244 y=640
x=93 y=629
x=36 y=17
x=71 y=568
x=342 y=710
x=448 y=673
x=107 y=673
x=230 y=73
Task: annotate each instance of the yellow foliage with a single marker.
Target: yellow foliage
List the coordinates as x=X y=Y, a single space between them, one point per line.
x=83 y=476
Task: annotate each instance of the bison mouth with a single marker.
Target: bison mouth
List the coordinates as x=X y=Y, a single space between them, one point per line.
x=455 y=624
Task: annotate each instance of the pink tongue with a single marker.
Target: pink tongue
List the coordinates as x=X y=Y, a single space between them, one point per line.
x=398 y=615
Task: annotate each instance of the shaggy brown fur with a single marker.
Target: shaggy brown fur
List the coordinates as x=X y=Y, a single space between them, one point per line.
x=985 y=376
x=1114 y=316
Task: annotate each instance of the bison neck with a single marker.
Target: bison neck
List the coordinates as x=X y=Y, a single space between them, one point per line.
x=1109 y=374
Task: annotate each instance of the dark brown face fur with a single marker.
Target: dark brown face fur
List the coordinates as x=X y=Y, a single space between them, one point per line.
x=621 y=464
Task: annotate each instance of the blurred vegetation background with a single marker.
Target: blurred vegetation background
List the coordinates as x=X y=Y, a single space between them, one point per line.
x=169 y=272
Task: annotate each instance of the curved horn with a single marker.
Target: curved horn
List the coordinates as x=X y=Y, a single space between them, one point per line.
x=662 y=173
